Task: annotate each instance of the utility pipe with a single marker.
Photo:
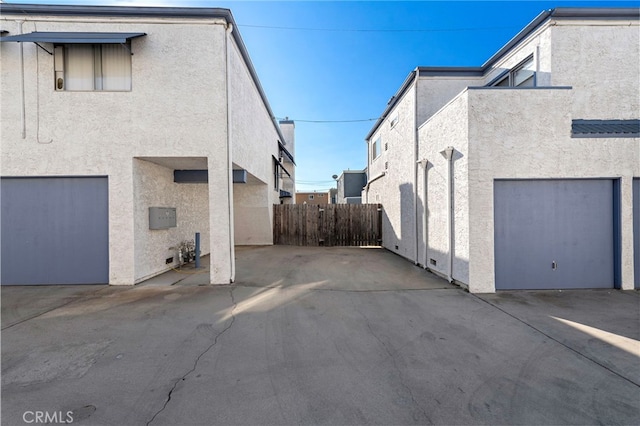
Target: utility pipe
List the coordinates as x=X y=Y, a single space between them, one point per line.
x=232 y=257
x=415 y=164
x=23 y=120
x=448 y=154
x=369 y=182
x=424 y=163
x=197 y=250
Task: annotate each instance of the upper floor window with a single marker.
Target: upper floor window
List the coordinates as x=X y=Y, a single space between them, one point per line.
x=522 y=75
x=92 y=67
x=375 y=148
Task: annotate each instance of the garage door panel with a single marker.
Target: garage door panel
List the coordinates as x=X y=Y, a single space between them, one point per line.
x=552 y=234
x=55 y=231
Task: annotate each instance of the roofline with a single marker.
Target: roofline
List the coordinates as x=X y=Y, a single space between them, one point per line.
x=543 y=17
x=392 y=103
x=351 y=172
x=141 y=11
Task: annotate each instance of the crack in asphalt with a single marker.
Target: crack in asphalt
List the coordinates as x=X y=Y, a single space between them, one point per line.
x=234 y=304
x=395 y=365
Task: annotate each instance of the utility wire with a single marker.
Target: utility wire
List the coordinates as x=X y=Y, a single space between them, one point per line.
x=364 y=30
x=329 y=121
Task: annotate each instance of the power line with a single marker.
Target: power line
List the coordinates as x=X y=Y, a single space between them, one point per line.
x=328 y=121
x=365 y=30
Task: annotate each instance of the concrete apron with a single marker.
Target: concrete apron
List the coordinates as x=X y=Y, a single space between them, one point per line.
x=324 y=336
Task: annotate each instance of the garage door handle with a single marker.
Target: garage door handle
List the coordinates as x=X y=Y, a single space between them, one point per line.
x=554 y=265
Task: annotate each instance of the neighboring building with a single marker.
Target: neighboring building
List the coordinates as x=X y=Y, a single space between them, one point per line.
x=350 y=185
x=313 y=197
x=126 y=130
x=288 y=171
x=519 y=174
x=333 y=196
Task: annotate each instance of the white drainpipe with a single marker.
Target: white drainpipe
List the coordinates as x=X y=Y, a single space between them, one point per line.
x=448 y=154
x=23 y=120
x=232 y=257
x=415 y=164
x=424 y=163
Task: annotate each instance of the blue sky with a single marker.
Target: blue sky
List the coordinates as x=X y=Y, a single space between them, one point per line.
x=335 y=61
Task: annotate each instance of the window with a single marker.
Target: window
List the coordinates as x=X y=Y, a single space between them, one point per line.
x=311 y=196
x=375 y=149
x=92 y=67
x=276 y=175
x=522 y=75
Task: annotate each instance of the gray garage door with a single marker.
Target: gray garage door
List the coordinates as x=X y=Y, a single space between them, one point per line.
x=54 y=231
x=636 y=230
x=554 y=234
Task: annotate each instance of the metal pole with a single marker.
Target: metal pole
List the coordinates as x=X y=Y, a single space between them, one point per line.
x=197 y=250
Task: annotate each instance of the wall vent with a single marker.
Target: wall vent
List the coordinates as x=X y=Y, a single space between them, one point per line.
x=433 y=262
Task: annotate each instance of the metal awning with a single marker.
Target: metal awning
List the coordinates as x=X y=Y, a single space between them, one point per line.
x=286 y=152
x=605 y=128
x=282 y=166
x=73 y=37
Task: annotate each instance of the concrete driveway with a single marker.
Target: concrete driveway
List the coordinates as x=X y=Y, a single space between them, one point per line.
x=319 y=336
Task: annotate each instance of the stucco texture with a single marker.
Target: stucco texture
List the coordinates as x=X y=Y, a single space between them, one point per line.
x=153 y=186
x=176 y=109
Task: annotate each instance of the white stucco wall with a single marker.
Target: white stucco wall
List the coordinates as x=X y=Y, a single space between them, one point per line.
x=601 y=61
x=177 y=108
x=255 y=143
x=447 y=128
x=437 y=91
x=514 y=133
x=253 y=213
x=525 y=134
x=153 y=186
x=395 y=190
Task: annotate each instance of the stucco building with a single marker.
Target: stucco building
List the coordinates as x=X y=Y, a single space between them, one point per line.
x=126 y=130
x=313 y=197
x=521 y=173
x=350 y=184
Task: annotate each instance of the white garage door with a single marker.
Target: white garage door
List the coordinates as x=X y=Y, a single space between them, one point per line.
x=554 y=234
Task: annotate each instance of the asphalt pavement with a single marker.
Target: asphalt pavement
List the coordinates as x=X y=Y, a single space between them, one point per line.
x=338 y=336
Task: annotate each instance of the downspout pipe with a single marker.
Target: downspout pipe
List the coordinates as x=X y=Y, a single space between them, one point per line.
x=23 y=119
x=232 y=257
x=384 y=173
x=448 y=154
x=424 y=163
x=415 y=165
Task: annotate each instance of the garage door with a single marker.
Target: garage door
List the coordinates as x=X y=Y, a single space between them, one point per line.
x=636 y=231
x=554 y=234
x=54 y=231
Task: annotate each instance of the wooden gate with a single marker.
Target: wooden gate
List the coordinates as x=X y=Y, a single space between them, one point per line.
x=327 y=225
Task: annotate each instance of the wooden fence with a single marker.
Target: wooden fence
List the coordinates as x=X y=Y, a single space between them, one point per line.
x=327 y=225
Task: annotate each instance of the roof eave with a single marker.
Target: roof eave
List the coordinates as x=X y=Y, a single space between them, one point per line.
x=407 y=83
x=138 y=11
